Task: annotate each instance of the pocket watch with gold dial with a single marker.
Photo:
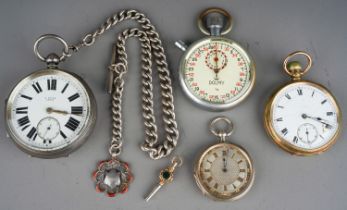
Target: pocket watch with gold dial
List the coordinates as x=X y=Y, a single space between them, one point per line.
x=50 y=112
x=224 y=171
x=216 y=72
x=302 y=117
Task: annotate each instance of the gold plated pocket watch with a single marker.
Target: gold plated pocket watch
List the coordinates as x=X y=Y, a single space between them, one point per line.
x=302 y=117
x=51 y=112
x=224 y=171
x=216 y=72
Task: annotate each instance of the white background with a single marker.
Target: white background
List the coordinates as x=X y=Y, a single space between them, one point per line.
x=268 y=29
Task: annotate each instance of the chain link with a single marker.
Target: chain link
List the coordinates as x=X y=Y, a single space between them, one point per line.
x=151 y=45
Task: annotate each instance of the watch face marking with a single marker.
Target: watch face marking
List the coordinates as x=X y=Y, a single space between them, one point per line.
x=284 y=131
x=26 y=97
x=63 y=134
x=299 y=90
x=73 y=97
x=22 y=110
x=23 y=121
x=37 y=87
x=38 y=113
x=72 y=124
x=305 y=126
x=31 y=133
x=77 y=110
x=63 y=90
x=51 y=84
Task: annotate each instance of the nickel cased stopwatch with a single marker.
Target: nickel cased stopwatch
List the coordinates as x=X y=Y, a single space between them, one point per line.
x=216 y=72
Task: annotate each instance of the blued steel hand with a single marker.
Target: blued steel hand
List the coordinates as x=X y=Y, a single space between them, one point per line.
x=327 y=125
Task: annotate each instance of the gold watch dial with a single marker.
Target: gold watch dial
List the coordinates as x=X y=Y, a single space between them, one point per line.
x=224 y=171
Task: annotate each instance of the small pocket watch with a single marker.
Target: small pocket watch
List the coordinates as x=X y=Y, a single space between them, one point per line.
x=216 y=72
x=302 y=117
x=224 y=171
x=50 y=112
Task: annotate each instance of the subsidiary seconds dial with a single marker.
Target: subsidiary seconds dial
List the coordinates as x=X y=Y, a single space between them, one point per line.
x=50 y=112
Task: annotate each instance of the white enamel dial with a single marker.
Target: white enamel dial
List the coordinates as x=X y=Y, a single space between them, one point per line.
x=49 y=111
x=217 y=73
x=305 y=116
x=225 y=171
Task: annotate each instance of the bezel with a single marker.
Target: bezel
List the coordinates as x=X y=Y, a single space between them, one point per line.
x=214 y=196
x=282 y=143
x=209 y=105
x=84 y=132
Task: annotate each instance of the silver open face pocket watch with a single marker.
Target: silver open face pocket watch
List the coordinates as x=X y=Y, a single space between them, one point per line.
x=302 y=117
x=216 y=72
x=224 y=171
x=50 y=112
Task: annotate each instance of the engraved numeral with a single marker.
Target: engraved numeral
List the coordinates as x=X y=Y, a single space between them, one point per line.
x=323 y=102
x=279 y=119
x=288 y=96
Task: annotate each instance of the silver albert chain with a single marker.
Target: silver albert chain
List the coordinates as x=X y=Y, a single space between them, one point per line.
x=113 y=175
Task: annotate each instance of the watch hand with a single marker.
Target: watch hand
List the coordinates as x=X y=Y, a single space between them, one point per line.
x=308 y=141
x=50 y=110
x=327 y=125
x=224 y=165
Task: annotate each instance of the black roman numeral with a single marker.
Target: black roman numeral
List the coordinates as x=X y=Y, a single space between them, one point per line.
x=330 y=113
x=284 y=131
x=295 y=139
x=312 y=94
x=76 y=110
x=23 y=121
x=299 y=91
x=74 y=96
x=26 y=97
x=323 y=102
x=279 y=119
x=63 y=90
x=72 y=124
x=288 y=96
x=22 y=110
x=25 y=127
x=32 y=133
x=51 y=84
x=37 y=87
x=63 y=134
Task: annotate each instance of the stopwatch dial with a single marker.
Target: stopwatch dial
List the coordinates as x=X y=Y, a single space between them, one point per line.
x=305 y=116
x=48 y=110
x=225 y=171
x=217 y=71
